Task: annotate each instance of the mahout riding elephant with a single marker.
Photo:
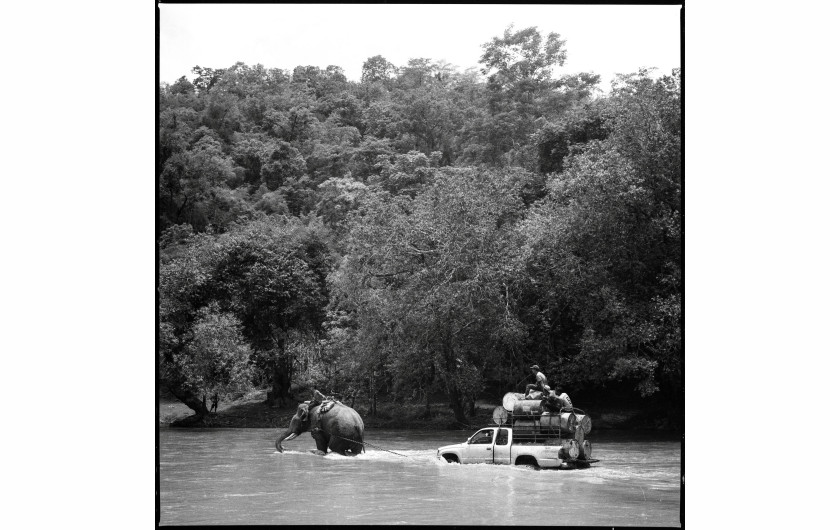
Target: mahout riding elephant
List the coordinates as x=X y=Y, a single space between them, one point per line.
x=335 y=427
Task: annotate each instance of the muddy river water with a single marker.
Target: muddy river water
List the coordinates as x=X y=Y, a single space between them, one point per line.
x=236 y=476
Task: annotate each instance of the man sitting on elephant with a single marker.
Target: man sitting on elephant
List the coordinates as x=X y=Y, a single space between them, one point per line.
x=337 y=427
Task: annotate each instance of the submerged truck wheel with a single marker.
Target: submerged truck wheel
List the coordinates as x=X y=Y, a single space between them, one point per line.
x=528 y=461
x=451 y=459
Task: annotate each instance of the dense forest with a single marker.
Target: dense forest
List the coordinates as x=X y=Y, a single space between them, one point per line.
x=424 y=231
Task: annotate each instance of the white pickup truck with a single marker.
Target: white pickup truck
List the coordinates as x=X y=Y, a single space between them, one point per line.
x=496 y=445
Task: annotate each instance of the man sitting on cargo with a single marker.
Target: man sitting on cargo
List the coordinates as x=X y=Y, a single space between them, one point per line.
x=541 y=383
x=556 y=403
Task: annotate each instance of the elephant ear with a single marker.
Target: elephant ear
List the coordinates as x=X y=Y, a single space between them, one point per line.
x=315 y=416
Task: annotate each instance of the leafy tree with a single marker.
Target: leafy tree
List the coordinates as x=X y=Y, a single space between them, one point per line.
x=268 y=274
x=404 y=174
x=522 y=60
x=272 y=203
x=332 y=156
x=182 y=86
x=343 y=107
x=274 y=279
x=243 y=81
x=365 y=159
x=377 y=69
x=432 y=279
x=323 y=83
x=248 y=155
x=430 y=119
x=295 y=123
x=281 y=164
x=226 y=206
x=202 y=349
x=176 y=127
x=379 y=119
x=216 y=357
x=206 y=78
x=221 y=114
x=604 y=246
x=415 y=74
x=189 y=178
x=555 y=140
x=339 y=196
x=520 y=91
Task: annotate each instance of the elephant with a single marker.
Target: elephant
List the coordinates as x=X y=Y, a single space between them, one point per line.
x=335 y=427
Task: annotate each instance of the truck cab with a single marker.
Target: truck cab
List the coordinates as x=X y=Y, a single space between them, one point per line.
x=490 y=445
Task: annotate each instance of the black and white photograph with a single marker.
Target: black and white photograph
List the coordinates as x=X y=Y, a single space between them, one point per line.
x=420 y=264
x=463 y=265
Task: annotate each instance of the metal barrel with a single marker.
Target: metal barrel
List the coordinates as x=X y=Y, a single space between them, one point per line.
x=586 y=449
x=551 y=421
x=571 y=449
x=579 y=435
x=500 y=416
x=568 y=422
x=508 y=401
x=584 y=422
x=526 y=425
x=527 y=407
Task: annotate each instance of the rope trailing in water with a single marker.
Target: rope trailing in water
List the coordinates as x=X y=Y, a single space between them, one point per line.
x=383 y=449
x=366 y=443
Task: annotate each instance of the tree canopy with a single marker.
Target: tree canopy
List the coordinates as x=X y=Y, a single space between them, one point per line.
x=423 y=230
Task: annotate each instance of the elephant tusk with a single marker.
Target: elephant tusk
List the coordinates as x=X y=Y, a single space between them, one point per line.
x=280 y=440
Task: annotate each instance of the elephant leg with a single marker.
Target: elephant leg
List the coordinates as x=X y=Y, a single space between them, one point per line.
x=333 y=445
x=337 y=445
x=321 y=442
x=358 y=447
x=348 y=445
x=345 y=446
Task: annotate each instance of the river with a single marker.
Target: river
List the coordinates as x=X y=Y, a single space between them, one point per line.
x=235 y=476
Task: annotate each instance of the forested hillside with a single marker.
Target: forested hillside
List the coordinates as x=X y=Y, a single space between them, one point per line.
x=423 y=231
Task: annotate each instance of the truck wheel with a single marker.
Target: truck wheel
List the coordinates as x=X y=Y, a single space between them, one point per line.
x=451 y=459
x=528 y=461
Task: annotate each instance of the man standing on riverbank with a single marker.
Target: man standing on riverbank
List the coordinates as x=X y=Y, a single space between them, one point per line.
x=215 y=402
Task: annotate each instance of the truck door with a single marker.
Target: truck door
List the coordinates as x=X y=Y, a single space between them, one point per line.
x=480 y=447
x=501 y=449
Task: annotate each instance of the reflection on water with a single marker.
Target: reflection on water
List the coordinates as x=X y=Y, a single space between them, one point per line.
x=235 y=476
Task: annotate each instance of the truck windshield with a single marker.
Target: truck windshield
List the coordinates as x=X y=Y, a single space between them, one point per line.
x=482 y=437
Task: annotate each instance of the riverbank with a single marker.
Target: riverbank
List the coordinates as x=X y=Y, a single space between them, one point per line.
x=251 y=411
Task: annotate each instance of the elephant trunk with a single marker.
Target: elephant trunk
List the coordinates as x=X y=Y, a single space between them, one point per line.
x=286 y=435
